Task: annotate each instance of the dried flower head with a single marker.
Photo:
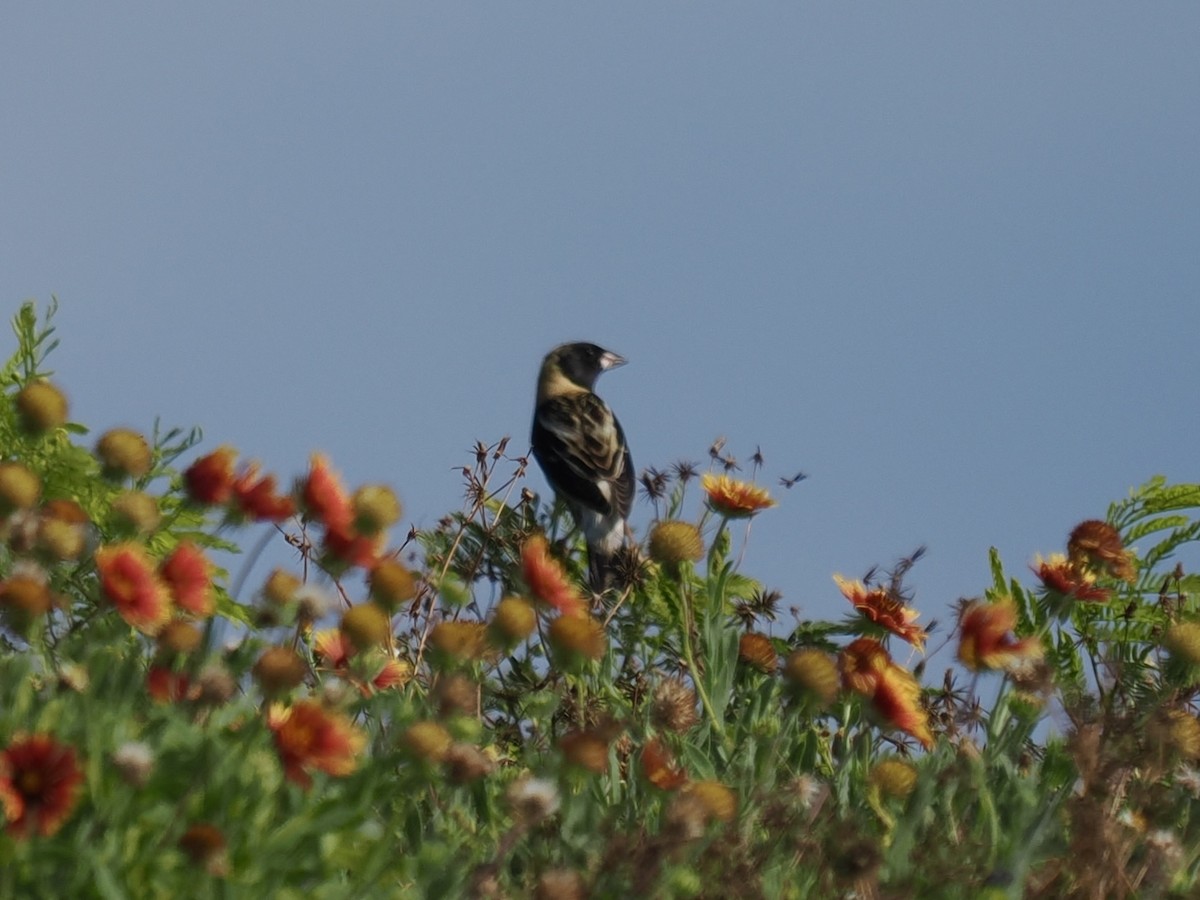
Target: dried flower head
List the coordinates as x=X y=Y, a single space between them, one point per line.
x=459 y=640
x=24 y=599
x=814 y=673
x=513 y=620
x=19 y=488
x=179 y=638
x=1097 y=545
x=732 y=498
x=137 y=511
x=577 y=639
x=391 y=584
x=585 y=749
x=375 y=508
x=204 y=845
x=673 y=543
x=719 y=802
x=41 y=407
x=278 y=670
x=466 y=763
x=134 y=761
x=560 y=884
x=673 y=707
x=426 y=741
x=532 y=800
x=660 y=768
x=1182 y=641
x=893 y=778
x=281 y=587
x=756 y=650
x=366 y=625
x=124 y=453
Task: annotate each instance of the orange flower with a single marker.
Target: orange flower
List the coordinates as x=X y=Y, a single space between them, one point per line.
x=257 y=498
x=1061 y=575
x=187 y=575
x=884 y=609
x=547 y=579
x=352 y=549
x=334 y=651
x=892 y=690
x=323 y=498
x=986 y=640
x=128 y=579
x=1098 y=544
x=660 y=768
x=755 y=649
x=209 y=480
x=39 y=784
x=333 y=648
x=308 y=737
x=732 y=498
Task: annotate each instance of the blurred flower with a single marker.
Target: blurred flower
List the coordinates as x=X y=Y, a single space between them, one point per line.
x=124 y=452
x=165 y=685
x=278 y=670
x=332 y=648
x=375 y=508
x=732 y=498
x=459 y=641
x=532 y=799
x=1182 y=640
x=513 y=620
x=1061 y=575
x=62 y=529
x=547 y=579
x=215 y=685
x=366 y=625
x=258 y=499
x=308 y=737
x=134 y=760
x=39 y=784
x=673 y=543
x=311 y=602
x=41 y=406
x=281 y=587
x=456 y=695
x=893 y=778
x=137 y=511
x=673 y=707
x=204 y=845
x=466 y=763
x=894 y=693
x=577 y=638
x=660 y=768
x=187 y=574
x=560 y=884
x=23 y=600
x=178 y=638
x=719 y=802
x=586 y=749
x=756 y=650
x=391 y=584
x=19 y=487
x=209 y=480
x=1098 y=545
x=323 y=498
x=128 y=579
x=985 y=636
x=427 y=741
x=884 y=609
x=814 y=673
x=348 y=548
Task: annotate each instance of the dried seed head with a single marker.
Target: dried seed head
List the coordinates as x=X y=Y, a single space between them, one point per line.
x=893 y=778
x=513 y=620
x=756 y=650
x=279 y=670
x=391 y=584
x=41 y=407
x=814 y=673
x=124 y=452
x=673 y=543
x=673 y=707
x=427 y=741
x=19 y=488
x=366 y=626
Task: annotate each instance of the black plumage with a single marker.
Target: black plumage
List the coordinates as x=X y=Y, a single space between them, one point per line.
x=581 y=448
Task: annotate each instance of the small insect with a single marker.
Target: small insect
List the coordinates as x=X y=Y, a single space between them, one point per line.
x=790 y=483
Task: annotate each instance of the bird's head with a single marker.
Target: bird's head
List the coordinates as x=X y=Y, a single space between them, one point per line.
x=581 y=363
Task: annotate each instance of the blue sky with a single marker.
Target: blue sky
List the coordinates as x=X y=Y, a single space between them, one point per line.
x=944 y=258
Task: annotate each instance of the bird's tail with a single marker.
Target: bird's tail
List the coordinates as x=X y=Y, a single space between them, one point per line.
x=604 y=551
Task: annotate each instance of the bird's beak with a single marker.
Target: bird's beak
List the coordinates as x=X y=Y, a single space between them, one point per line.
x=610 y=360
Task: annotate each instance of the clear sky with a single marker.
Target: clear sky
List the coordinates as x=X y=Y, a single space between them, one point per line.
x=942 y=257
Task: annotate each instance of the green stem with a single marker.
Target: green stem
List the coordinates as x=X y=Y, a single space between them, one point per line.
x=687 y=620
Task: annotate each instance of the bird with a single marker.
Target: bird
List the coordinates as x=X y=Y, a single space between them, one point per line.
x=582 y=451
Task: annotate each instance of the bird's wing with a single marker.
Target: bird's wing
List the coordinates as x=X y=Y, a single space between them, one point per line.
x=582 y=450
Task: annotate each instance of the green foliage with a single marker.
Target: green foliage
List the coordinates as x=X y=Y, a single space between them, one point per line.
x=663 y=741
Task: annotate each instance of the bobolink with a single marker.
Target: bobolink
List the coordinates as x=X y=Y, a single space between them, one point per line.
x=581 y=448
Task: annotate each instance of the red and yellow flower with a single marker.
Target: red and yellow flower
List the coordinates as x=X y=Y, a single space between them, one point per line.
x=309 y=737
x=986 y=640
x=39 y=784
x=323 y=498
x=1096 y=544
x=547 y=579
x=893 y=692
x=257 y=497
x=187 y=574
x=1062 y=576
x=732 y=498
x=660 y=768
x=884 y=609
x=209 y=480
x=129 y=581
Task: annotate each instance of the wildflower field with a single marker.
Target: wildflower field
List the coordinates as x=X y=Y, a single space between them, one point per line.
x=450 y=713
